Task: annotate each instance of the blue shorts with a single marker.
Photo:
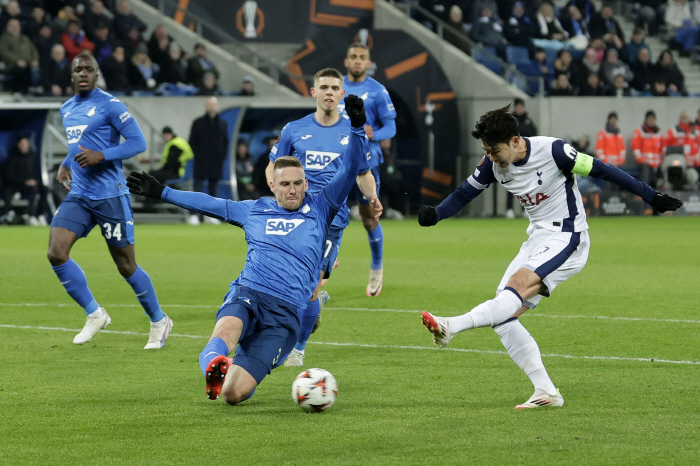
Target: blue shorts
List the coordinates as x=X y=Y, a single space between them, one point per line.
x=114 y=216
x=270 y=329
x=357 y=194
x=331 y=248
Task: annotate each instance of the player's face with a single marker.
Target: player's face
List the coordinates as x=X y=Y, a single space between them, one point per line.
x=357 y=62
x=289 y=186
x=84 y=75
x=503 y=154
x=328 y=92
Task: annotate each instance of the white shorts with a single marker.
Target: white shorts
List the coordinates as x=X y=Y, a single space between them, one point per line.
x=553 y=255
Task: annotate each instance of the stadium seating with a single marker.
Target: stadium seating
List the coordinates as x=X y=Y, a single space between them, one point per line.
x=487 y=57
x=516 y=55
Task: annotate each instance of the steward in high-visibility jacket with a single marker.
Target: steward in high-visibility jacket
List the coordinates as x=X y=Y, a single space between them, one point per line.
x=176 y=153
x=685 y=136
x=610 y=144
x=647 y=142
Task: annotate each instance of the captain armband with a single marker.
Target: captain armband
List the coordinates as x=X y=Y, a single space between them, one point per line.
x=583 y=164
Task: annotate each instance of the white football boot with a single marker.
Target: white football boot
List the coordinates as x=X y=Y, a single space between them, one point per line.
x=92 y=326
x=540 y=398
x=295 y=358
x=159 y=333
x=439 y=327
x=374 y=287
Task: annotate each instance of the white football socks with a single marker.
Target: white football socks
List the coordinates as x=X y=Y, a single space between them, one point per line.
x=524 y=351
x=489 y=313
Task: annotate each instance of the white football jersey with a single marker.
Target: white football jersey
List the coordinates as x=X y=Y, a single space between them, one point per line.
x=543 y=183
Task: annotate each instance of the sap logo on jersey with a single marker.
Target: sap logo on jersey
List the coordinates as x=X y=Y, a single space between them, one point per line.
x=281 y=226
x=74 y=133
x=318 y=160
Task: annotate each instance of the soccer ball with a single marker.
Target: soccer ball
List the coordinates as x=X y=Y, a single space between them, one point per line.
x=315 y=390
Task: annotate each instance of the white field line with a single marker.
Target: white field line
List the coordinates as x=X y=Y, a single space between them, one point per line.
x=214 y=307
x=365 y=345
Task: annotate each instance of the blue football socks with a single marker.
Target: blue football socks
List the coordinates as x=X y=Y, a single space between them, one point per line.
x=215 y=347
x=146 y=294
x=307 y=317
x=73 y=279
x=376 y=244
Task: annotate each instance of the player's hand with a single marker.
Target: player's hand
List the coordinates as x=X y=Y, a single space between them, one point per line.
x=377 y=206
x=64 y=177
x=88 y=157
x=664 y=203
x=144 y=184
x=355 y=108
x=427 y=216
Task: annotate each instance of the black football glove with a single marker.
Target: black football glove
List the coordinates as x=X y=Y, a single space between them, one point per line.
x=144 y=184
x=355 y=108
x=427 y=216
x=663 y=202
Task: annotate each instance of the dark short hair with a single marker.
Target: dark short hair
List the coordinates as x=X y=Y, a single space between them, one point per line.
x=86 y=55
x=287 y=161
x=650 y=113
x=328 y=72
x=612 y=114
x=200 y=45
x=167 y=130
x=357 y=45
x=518 y=101
x=496 y=126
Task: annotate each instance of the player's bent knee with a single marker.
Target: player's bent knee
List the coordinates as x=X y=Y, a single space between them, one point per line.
x=57 y=258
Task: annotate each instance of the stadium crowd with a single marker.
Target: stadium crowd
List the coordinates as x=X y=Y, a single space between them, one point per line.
x=39 y=39
x=578 y=49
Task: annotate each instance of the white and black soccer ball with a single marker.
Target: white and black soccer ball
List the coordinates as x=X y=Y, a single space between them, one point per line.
x=315 y=390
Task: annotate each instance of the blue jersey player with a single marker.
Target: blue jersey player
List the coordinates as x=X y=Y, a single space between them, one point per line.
x=285 y=236
x=380 y=126
x=319 y=141
x=92 y=173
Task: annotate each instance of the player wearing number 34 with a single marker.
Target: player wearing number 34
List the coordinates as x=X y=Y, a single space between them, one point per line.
x=539 y=171
x=92 y=173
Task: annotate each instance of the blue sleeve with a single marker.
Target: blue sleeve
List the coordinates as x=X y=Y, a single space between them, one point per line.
x=67 y=160
x=387 y=131
x=338 y=188
x=135 y=143
x=283 y=146
x=229 y=211
x=468 y=190
x=613 y=174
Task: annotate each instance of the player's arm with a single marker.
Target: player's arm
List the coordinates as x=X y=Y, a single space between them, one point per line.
x=63 y=176
x=387 y=131
x=387 y=115
x=572 y=161
x=467 y=192
x=223 y=209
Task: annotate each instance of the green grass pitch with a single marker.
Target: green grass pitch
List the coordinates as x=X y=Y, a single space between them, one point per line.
x=401 y=400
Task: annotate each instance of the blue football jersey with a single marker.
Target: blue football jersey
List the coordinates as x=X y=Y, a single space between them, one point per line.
x=378 y=107
x=320 y=149
x=96 y=122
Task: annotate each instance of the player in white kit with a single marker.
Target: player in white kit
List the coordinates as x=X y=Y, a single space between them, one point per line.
x=539 y=171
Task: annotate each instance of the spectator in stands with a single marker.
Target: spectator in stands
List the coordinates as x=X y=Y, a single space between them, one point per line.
x=576 y=28
x=683 y=25
x=159 y=46
x=125 y=21
x=635 y=45
x=259 y=178
x=541 y=61
x=12 y=11
x=479 y=5
x=18 y=176
x=586 y=7
x=456 y=21
x=667 y=68
x=581 y=69
x=659 y=88
x=551 y=32
x=612 y=66
x=174 y=70
x=561 y=86
x=209 y=142
x=103 y=45
x=132 y=42
x=64 y=16
x=176 y=153
x=520 y=28
x=488 y=31
x=647 y=147
x=199 y=64
x=610 y=144
x=562 y=64
x=209 y=85
x=592 y=86
x=95 y=16
x=116 y=71
x=604 y=25
x=650 y=13
x=35 y=21
x=439 y=8
x=75 y=41
x=44 y=42
x=620 y=87
x=56 y=74
x=244 y=172
x=147 y=70
x=644 y=71
x=684 y=138
x=248 y=88
x=20 y=57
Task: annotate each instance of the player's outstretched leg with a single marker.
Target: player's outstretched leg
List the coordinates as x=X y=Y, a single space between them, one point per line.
x=523 y=350
x=439 y=327
x=95 y=322
x=214 y=362
x=307 y=318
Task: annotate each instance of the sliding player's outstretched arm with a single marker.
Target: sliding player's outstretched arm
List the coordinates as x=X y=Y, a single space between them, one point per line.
x=222 y=209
